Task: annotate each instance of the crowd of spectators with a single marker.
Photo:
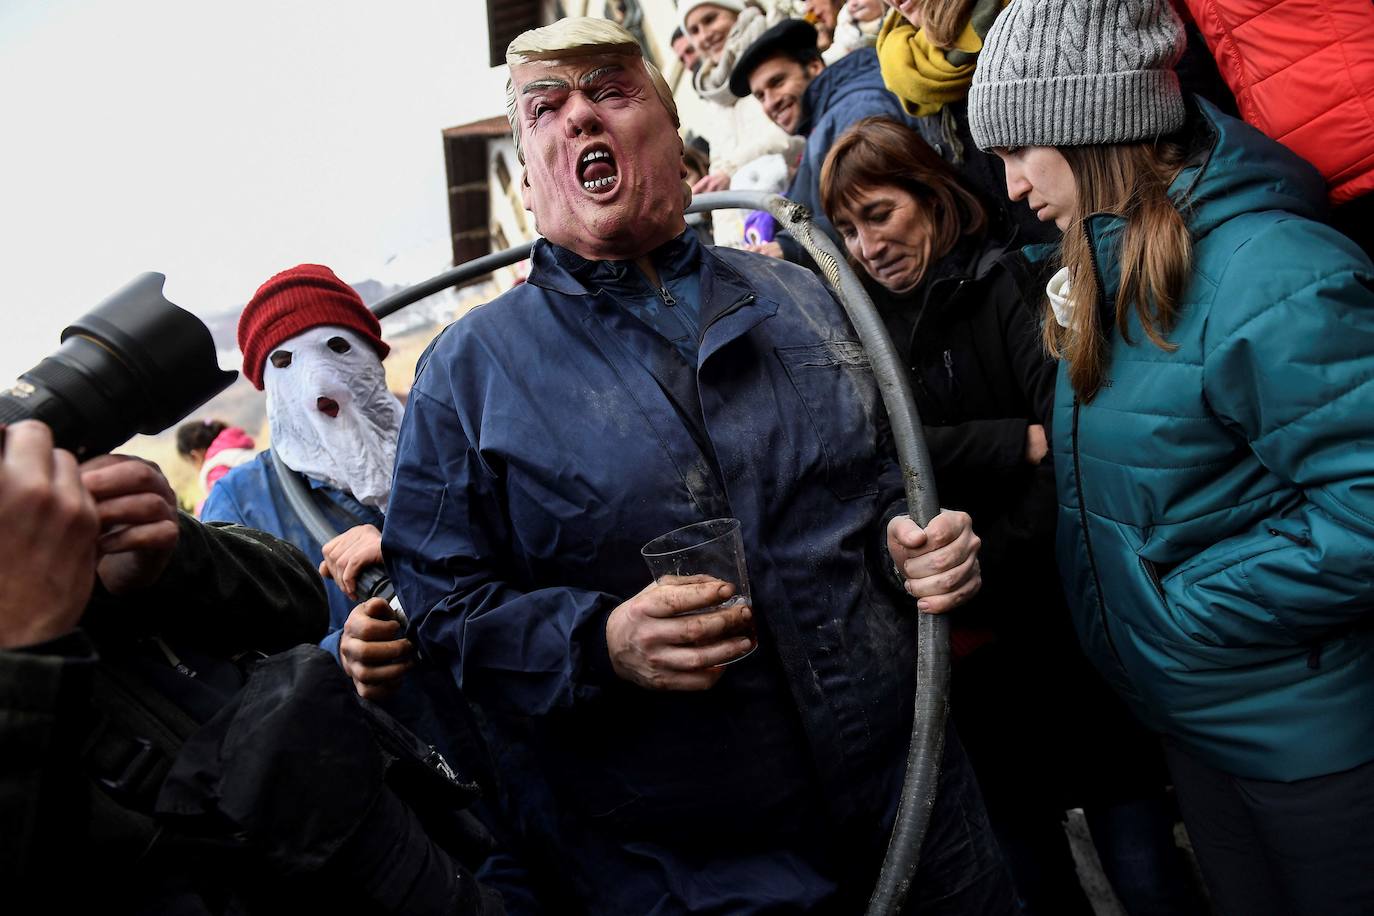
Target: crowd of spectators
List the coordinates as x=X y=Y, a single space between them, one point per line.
x=1127 y=277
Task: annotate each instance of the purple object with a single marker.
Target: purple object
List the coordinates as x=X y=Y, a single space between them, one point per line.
x=759 y=227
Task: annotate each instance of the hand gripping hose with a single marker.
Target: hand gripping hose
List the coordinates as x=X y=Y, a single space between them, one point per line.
x=932 y=661
x=373 y=582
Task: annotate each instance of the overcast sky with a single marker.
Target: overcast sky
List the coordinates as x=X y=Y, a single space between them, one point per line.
x=218 y=143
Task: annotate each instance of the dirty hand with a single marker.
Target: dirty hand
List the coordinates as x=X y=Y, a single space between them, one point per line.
x=716 y=181
x=47 y=544
x=939 y=562
x=371 y=652
x=349 y=554
x=654 y=647
x=138 y=520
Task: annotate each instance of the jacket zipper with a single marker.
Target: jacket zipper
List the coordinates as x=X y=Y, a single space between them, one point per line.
x=666 y=296
x=1087 y=538
x=1295 y=538
x=1153 y=572
x=729 y=310
x=1078 y=478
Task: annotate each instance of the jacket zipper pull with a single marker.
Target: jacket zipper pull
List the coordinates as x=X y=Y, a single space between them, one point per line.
x=1295 y=538
x=950 y=381
x=167 y=653
x=666 y=296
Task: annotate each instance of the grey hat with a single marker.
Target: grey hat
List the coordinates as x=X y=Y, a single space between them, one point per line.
x=1077 y=73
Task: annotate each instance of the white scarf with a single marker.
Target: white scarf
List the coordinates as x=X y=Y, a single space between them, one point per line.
x=354 y=451
x=1058 y=291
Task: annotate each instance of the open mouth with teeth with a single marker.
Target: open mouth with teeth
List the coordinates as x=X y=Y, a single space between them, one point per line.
x=597 y=170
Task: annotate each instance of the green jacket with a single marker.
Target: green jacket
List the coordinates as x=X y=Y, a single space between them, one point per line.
x=1216 y=522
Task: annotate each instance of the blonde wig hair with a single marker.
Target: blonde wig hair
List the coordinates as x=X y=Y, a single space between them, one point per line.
x=578 y=36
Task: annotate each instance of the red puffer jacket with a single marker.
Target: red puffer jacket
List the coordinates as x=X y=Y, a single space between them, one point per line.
x=1302 y=72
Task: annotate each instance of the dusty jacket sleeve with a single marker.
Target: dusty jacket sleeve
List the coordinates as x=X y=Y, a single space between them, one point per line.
x=512 y=644
x=1291 y=369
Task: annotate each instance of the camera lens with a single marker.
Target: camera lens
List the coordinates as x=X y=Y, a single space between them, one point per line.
x=136 y=363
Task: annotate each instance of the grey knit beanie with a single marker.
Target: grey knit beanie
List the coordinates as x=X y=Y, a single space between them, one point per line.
x=1077 y=73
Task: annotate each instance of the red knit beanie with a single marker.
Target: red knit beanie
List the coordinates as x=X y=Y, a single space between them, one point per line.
x=296 y=300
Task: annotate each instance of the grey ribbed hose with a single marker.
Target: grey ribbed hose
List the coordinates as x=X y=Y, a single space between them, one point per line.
x=933 y=659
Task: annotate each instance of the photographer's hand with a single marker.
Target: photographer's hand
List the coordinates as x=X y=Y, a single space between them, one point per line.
x=48 y=540
x=138 y=520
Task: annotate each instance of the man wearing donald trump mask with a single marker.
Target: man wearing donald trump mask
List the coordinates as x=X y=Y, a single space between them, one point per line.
x=637 y=383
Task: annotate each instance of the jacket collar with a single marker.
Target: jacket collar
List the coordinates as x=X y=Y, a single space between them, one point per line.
x=1230 y=169
x=971 y=260
x=560 y=270
x=730 y=305
x=856 y=70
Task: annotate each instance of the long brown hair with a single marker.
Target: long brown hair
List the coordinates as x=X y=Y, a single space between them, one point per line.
x=1155 y=254
x=943 y=21
x=878 y=152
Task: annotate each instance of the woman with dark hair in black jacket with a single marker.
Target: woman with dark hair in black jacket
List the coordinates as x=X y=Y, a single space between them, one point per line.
x=1044 y=733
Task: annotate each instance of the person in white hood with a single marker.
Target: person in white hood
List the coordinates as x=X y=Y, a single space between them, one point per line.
x=309 y=341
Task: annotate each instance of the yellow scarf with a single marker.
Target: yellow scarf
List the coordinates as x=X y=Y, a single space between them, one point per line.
x=924 y=77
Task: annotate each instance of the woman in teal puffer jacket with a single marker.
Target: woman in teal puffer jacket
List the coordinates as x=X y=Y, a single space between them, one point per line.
x=1213 y=438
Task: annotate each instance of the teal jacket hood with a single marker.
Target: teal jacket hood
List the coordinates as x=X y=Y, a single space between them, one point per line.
x=1235 y=169
x=1232 y=169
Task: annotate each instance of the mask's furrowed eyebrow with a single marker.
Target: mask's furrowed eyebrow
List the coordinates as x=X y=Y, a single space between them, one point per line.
x=599 y=74
x=544 y=86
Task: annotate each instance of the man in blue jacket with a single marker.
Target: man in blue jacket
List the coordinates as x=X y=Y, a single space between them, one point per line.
x=784 y=70
x=639 y=382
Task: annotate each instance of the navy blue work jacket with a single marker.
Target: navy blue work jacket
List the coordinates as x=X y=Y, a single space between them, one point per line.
x=548 y=436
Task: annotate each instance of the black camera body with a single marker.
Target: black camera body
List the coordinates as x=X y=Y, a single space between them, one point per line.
x=136 y=363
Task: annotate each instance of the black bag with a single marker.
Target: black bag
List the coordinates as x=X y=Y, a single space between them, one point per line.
x=296 y=792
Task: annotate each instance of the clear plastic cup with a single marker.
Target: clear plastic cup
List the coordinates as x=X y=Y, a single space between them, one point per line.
x=714 y=549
